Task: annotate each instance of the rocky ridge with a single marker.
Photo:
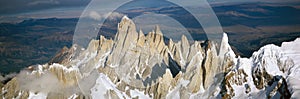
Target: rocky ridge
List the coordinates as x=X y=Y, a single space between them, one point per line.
x=135 y=65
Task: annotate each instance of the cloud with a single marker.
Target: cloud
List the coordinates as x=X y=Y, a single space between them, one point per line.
x=261 y=10
x=115 y=15
x=49 y=81
x=97 y=16
x=44 y=82
x=94 y=15
x=43 y=2
x=235 y=13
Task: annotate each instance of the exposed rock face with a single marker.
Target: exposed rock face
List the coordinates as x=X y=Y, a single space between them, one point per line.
x=263 y=75
x=134 y=65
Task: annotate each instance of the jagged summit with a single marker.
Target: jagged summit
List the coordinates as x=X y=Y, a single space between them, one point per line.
x=125 y=18
x=138 y=65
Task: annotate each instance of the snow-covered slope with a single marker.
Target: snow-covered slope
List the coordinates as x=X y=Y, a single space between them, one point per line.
x=134 y=65
x=270 y=73
x=291 y=51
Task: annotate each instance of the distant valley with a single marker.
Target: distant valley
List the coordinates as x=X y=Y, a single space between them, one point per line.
x=249 y=27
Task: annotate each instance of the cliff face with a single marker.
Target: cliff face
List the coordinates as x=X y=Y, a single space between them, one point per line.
x=134 y=65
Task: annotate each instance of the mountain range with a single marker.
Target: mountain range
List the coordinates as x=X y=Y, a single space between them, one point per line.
x=135 y=65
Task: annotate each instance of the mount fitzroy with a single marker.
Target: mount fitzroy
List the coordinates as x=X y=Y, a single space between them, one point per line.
x=134 y=65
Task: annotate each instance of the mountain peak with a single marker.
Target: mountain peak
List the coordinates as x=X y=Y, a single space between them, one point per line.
x=225 y=37
x=157 y=30
x=125 y=22
x=125 y=18
x=132 y=65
